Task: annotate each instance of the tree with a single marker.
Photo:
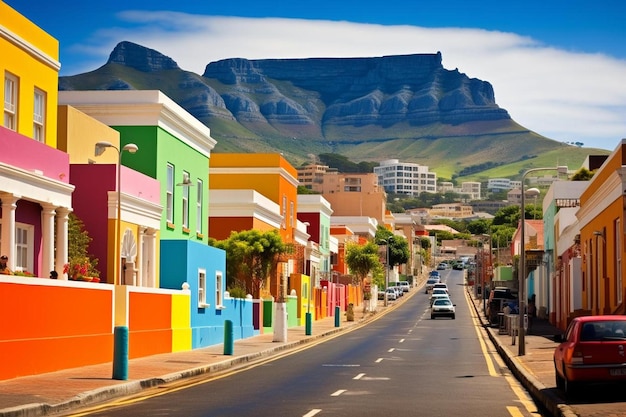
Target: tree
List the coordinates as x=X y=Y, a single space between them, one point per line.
x=508 y=215
x=479 y=227
x=398 y=246
x=250 y=257
x=583 y=174
x=361 y=259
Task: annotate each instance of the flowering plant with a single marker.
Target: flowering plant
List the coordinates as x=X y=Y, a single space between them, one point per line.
x=76 y=269
x=23 y=274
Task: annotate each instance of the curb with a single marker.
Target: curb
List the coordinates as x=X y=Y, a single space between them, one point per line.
x=552 y=403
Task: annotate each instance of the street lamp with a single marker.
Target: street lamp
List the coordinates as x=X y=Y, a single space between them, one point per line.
x=387 y=242
x=99 y=150
x=522 y=271
x=484 y=269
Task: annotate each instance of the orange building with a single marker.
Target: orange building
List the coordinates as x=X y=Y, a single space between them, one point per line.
x=257 y=191
x=602 y=222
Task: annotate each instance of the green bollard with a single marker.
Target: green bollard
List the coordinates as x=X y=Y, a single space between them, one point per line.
x=228 y=337
x=337 y=316
x=307 y=326
x=120 y=353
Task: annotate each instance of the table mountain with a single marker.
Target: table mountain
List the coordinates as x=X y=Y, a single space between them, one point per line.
x=408 y=106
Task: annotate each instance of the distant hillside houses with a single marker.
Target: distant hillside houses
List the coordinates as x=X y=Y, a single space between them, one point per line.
x=496 y=185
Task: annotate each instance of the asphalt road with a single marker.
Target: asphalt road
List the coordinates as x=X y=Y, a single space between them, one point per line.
x=403 y=363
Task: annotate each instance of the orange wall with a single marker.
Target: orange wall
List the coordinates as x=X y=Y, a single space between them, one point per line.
x=150 y=324
x=49 y=326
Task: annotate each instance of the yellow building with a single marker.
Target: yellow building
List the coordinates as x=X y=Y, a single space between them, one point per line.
x=30 y=68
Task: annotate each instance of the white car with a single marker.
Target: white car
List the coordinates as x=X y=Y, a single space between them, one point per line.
x=430 y=283
x=442 y=307
x=391 y=294
x=437 y=291
x=441 y=285
x=437 y=297
x=404 y=285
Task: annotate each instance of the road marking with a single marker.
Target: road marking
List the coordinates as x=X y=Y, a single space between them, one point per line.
x=401 y=341
x=379 y=360
x=514 y=411
x=490 y=367
x=338 y=393
x=391 y=350
x=342 y=365
x=312 y=412
x=359 y=376
x=522 y=395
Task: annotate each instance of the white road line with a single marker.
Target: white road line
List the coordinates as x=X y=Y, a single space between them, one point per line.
x=359 y=376
x=379 y=360
x=338 y=393
x=312 y=412
x=391 y=350
x=401 y=341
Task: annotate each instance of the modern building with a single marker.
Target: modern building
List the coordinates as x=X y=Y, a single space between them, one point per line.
x=405 y=178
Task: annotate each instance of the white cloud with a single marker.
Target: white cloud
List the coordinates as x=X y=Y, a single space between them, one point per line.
x=562 y=95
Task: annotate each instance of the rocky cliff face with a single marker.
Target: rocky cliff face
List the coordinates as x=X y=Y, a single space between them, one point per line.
x=354 y=91
x=142 y=59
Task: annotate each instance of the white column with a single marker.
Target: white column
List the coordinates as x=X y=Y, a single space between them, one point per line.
x=9 y=205
x=61 y=257
x=141 y=252
x=47 y=239
x=150 y=261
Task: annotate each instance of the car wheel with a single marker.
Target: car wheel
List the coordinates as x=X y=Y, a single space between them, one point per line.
x=570 y=388
x=453 y=317
x=432 y=317
x=560 y=382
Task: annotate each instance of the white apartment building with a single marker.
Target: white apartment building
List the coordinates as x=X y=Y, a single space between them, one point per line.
x=405 y=178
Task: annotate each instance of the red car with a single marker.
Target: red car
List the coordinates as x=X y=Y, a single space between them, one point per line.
x=592 y=350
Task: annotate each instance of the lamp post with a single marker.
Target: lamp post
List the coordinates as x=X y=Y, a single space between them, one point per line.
x=485 y=268
x=522 y=270
x=99 y=150
x=387 y=242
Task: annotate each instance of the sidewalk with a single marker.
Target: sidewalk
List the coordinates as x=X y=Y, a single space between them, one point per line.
x=70 y=389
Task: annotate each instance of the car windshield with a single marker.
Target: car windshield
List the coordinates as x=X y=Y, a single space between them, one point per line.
x=442 y=302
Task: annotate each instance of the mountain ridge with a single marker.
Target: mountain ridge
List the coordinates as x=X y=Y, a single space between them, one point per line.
x=332 y=105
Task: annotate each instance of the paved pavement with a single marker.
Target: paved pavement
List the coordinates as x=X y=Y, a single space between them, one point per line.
x=60 y=392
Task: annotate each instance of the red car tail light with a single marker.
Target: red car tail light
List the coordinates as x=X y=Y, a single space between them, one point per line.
x=577 y=357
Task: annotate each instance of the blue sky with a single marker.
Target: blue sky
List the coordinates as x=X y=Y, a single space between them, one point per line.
x=557 y=66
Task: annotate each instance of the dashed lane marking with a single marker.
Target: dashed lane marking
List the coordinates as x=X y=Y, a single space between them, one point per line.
x=359 y=376
x=338 y=393
x=312 y=412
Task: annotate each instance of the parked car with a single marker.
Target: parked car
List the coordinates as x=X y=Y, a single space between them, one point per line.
x=442 y=266
x=442 y=307
x=429 y=284
x=591 y=351
x=404 y=285
x=391 y=294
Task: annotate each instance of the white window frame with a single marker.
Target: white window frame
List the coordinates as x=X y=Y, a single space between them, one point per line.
x=617 y=244
x=185 y=208
x=199 y=210
x=202 y=301
x=284 y=212
x=169 y=194
x=11 y=90
x=39 y=115
x=219 y=290
x=24 y=247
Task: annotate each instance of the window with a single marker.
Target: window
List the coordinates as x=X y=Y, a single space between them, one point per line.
x=186 y=200
x=284 y=212
x=39 y=116
x=291 y=214
x=202 y=289
x=618 y=259
x=169 y=200
x=10 y=101
x=199 y=208
x=218 y=289
x=24 y=247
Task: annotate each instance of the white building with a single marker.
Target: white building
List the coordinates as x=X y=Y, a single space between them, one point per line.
x=405 y=178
